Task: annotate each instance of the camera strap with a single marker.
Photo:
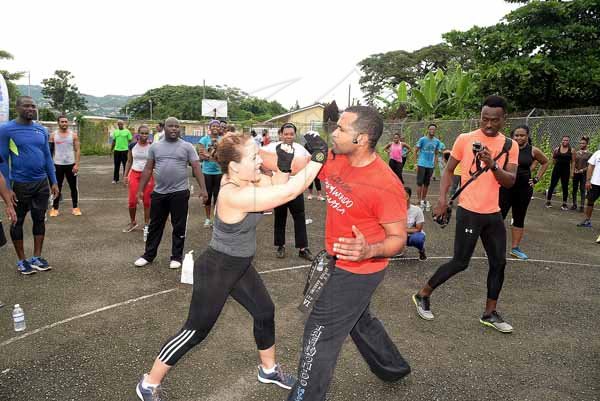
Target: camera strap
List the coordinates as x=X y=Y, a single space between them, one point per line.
x=505 y=149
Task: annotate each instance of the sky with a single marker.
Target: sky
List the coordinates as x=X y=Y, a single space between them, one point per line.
x=127 y=47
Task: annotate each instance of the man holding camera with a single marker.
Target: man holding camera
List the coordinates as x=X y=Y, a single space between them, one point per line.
x=487 y=155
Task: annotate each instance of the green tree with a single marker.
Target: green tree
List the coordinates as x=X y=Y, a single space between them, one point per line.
x=385 y=70
x=9 y=77
x=62 y=94
x=45 y=114
x=438 y=94
x=544 y=54
x=185 y=102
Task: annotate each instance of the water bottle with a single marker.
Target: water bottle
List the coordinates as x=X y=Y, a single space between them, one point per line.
x=308 y=221
x=187 y=268
x=19 y=318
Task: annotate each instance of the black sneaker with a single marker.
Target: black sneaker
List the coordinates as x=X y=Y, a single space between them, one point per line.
x=494 y=320
x=548 y=205
x=423 y=308
x=280 y=252
x=574 y=207
x=422 y=255
x=564 y=207
x=306 y=254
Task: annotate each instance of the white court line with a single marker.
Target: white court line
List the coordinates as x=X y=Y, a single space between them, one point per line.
x=557 y=262
x=129 y=301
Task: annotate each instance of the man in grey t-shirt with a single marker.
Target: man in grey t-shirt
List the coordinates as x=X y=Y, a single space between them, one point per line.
x=169 y=159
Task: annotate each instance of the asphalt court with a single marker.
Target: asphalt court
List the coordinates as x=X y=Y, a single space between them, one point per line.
x=95 y=323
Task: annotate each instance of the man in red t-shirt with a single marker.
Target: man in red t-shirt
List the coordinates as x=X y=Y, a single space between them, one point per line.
x=478 y=214
x=366 y=224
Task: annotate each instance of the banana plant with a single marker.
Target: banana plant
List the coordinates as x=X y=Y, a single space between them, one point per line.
x=436 y=93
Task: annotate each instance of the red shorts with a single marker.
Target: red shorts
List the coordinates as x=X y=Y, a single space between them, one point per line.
x=134 y=184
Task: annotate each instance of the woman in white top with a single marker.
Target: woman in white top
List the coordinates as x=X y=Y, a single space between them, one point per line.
x=136 y=161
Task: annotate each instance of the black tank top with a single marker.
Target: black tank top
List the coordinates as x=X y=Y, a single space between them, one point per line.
x=562 y=159
x=525 y=162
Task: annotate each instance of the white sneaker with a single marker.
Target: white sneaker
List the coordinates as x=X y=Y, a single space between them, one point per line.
x=174 y=264
x=141 y=262
x=146 y=230
x=321 y=198
x=309 y=197
x=207 y=223
x=422 y=205
x=427 y=206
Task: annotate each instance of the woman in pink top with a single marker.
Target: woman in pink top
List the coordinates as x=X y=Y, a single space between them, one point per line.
x=394 y=149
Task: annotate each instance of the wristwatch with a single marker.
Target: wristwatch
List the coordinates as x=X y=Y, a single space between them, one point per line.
x=495 y=166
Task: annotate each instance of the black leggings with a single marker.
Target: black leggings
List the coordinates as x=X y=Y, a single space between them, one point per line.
x=397 y=168
x=469 y=227
x=119 y=158
x=216 y=276
x=579 y=185
x=317 y=185
x=517 y=198
x=61 y=173
x=561 y=172
x=213 y=184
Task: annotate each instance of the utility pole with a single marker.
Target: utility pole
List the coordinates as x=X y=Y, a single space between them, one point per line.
x=29 y=83
x=150 y=100
x=349 y=87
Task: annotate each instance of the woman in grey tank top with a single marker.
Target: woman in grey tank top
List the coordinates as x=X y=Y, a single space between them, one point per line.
x=225 y=268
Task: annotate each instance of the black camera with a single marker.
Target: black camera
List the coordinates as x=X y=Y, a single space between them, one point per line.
x=477 y=147
x=444 y=220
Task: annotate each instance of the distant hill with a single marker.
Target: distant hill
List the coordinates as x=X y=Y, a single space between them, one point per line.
x=108 y=105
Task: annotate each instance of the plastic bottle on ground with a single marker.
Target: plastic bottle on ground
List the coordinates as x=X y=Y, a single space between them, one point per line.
x=19 y=318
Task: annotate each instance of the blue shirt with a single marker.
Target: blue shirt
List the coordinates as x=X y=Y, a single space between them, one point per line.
x=24 y=147
x=427 y=148
x=209 y=167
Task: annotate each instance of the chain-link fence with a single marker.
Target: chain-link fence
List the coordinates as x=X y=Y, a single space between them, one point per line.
x=546 y=131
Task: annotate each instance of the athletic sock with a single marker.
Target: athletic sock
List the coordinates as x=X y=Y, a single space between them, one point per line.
x=268 y=371
x=148 y=386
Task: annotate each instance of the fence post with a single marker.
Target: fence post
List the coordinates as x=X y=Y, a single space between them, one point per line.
x=529 y=115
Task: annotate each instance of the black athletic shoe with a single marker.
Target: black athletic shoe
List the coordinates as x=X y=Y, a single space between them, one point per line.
x=306 y=254
x=422 y=255
x=564 y=207
x=280 y=252
x=574 y=207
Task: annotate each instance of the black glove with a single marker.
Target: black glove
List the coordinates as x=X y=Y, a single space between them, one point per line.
x=318 y=147
x=284 y=159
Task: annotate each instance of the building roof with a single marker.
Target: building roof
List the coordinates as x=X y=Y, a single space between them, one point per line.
x=295 y=111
